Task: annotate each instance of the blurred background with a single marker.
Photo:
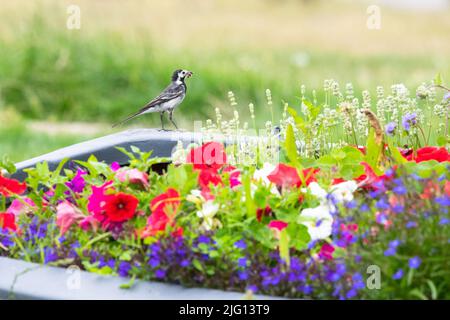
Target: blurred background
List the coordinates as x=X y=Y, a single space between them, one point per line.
x=59 y=85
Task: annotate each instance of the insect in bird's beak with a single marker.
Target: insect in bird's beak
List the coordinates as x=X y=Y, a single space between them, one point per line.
x=189 y=74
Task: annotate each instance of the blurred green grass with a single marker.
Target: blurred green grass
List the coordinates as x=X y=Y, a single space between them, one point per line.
x=20 y=143
x=103 y=73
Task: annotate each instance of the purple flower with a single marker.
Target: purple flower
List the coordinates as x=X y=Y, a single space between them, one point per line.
x=364 y=207
x=390 y=252
x=351 y=293
x=184 y=263
x=444 y=221
x=77 y=184
x=411 y=224
x=160 y=273
x=203 y=239
x=124 y=269
x=351 y=205
x=382 y=204
x=243 y=275
x=394 y=243
x=240 y=244
x=443 y=201
x=252 y=288
x=414 y=262
x=50 y=255
x=307 y=289
x=398 y=274
x=447 y=96
x=6 y=238
x=390 y=128
x=153 y=262
x=408 y=120
x=398 y=208
x=401 y=189
x=242 y=262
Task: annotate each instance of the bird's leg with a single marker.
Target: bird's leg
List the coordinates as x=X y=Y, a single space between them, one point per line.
x=161 y=114
x=171 y=119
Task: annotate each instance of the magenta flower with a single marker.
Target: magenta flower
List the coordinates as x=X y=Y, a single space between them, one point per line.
x=326 y=252
x=77 y=184
x=98 y=198
x=278 y=225
x=115 y=166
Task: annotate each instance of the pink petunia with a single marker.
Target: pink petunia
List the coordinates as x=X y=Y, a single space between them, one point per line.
x=19 y=207
x=133 y=176
x=66 y=215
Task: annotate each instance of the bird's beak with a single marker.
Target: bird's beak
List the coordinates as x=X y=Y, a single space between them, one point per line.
x=189 y=74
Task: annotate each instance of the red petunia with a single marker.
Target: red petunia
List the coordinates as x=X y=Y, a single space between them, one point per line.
x=207 y=177
x=120 y=207
x=167 y=202
x=9 y=187
x=210 y=155
x=287 y=176
x=430 y=153
x=164 y=208
x=8 y=221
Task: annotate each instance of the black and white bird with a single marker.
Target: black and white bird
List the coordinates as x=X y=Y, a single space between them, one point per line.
x=167 y=101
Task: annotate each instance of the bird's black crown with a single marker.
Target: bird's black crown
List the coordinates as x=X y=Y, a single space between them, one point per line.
x=175 y=74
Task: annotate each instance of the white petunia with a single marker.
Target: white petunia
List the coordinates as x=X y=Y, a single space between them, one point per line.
x=343 y=192
x=316 y=190
x=318 y=220
x=208 y=211
x=260 y=176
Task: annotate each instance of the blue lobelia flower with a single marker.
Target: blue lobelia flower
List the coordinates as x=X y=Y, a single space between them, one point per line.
x=414 y=262
x=398 y=274
x=240 y=244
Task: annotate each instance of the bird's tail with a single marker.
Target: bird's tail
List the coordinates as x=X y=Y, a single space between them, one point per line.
x=134 y=115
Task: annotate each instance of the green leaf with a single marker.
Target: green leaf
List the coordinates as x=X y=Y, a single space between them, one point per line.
x=374 y=151
x=8 y=165
x=290 y=145
x=438 y=79
x=298 y=236
x=284 y=247
x=417 y=293
x=249 y=204
x=125 y=256
x=433 y=289
x=129 y=284
x=396 y=155
x=197 y=265
x=442 y=141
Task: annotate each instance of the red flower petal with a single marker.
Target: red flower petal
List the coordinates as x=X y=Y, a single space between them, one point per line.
x=432 y=153
x=8 y=221
x=210 y=155
x=9 y=187
x=120 y=207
